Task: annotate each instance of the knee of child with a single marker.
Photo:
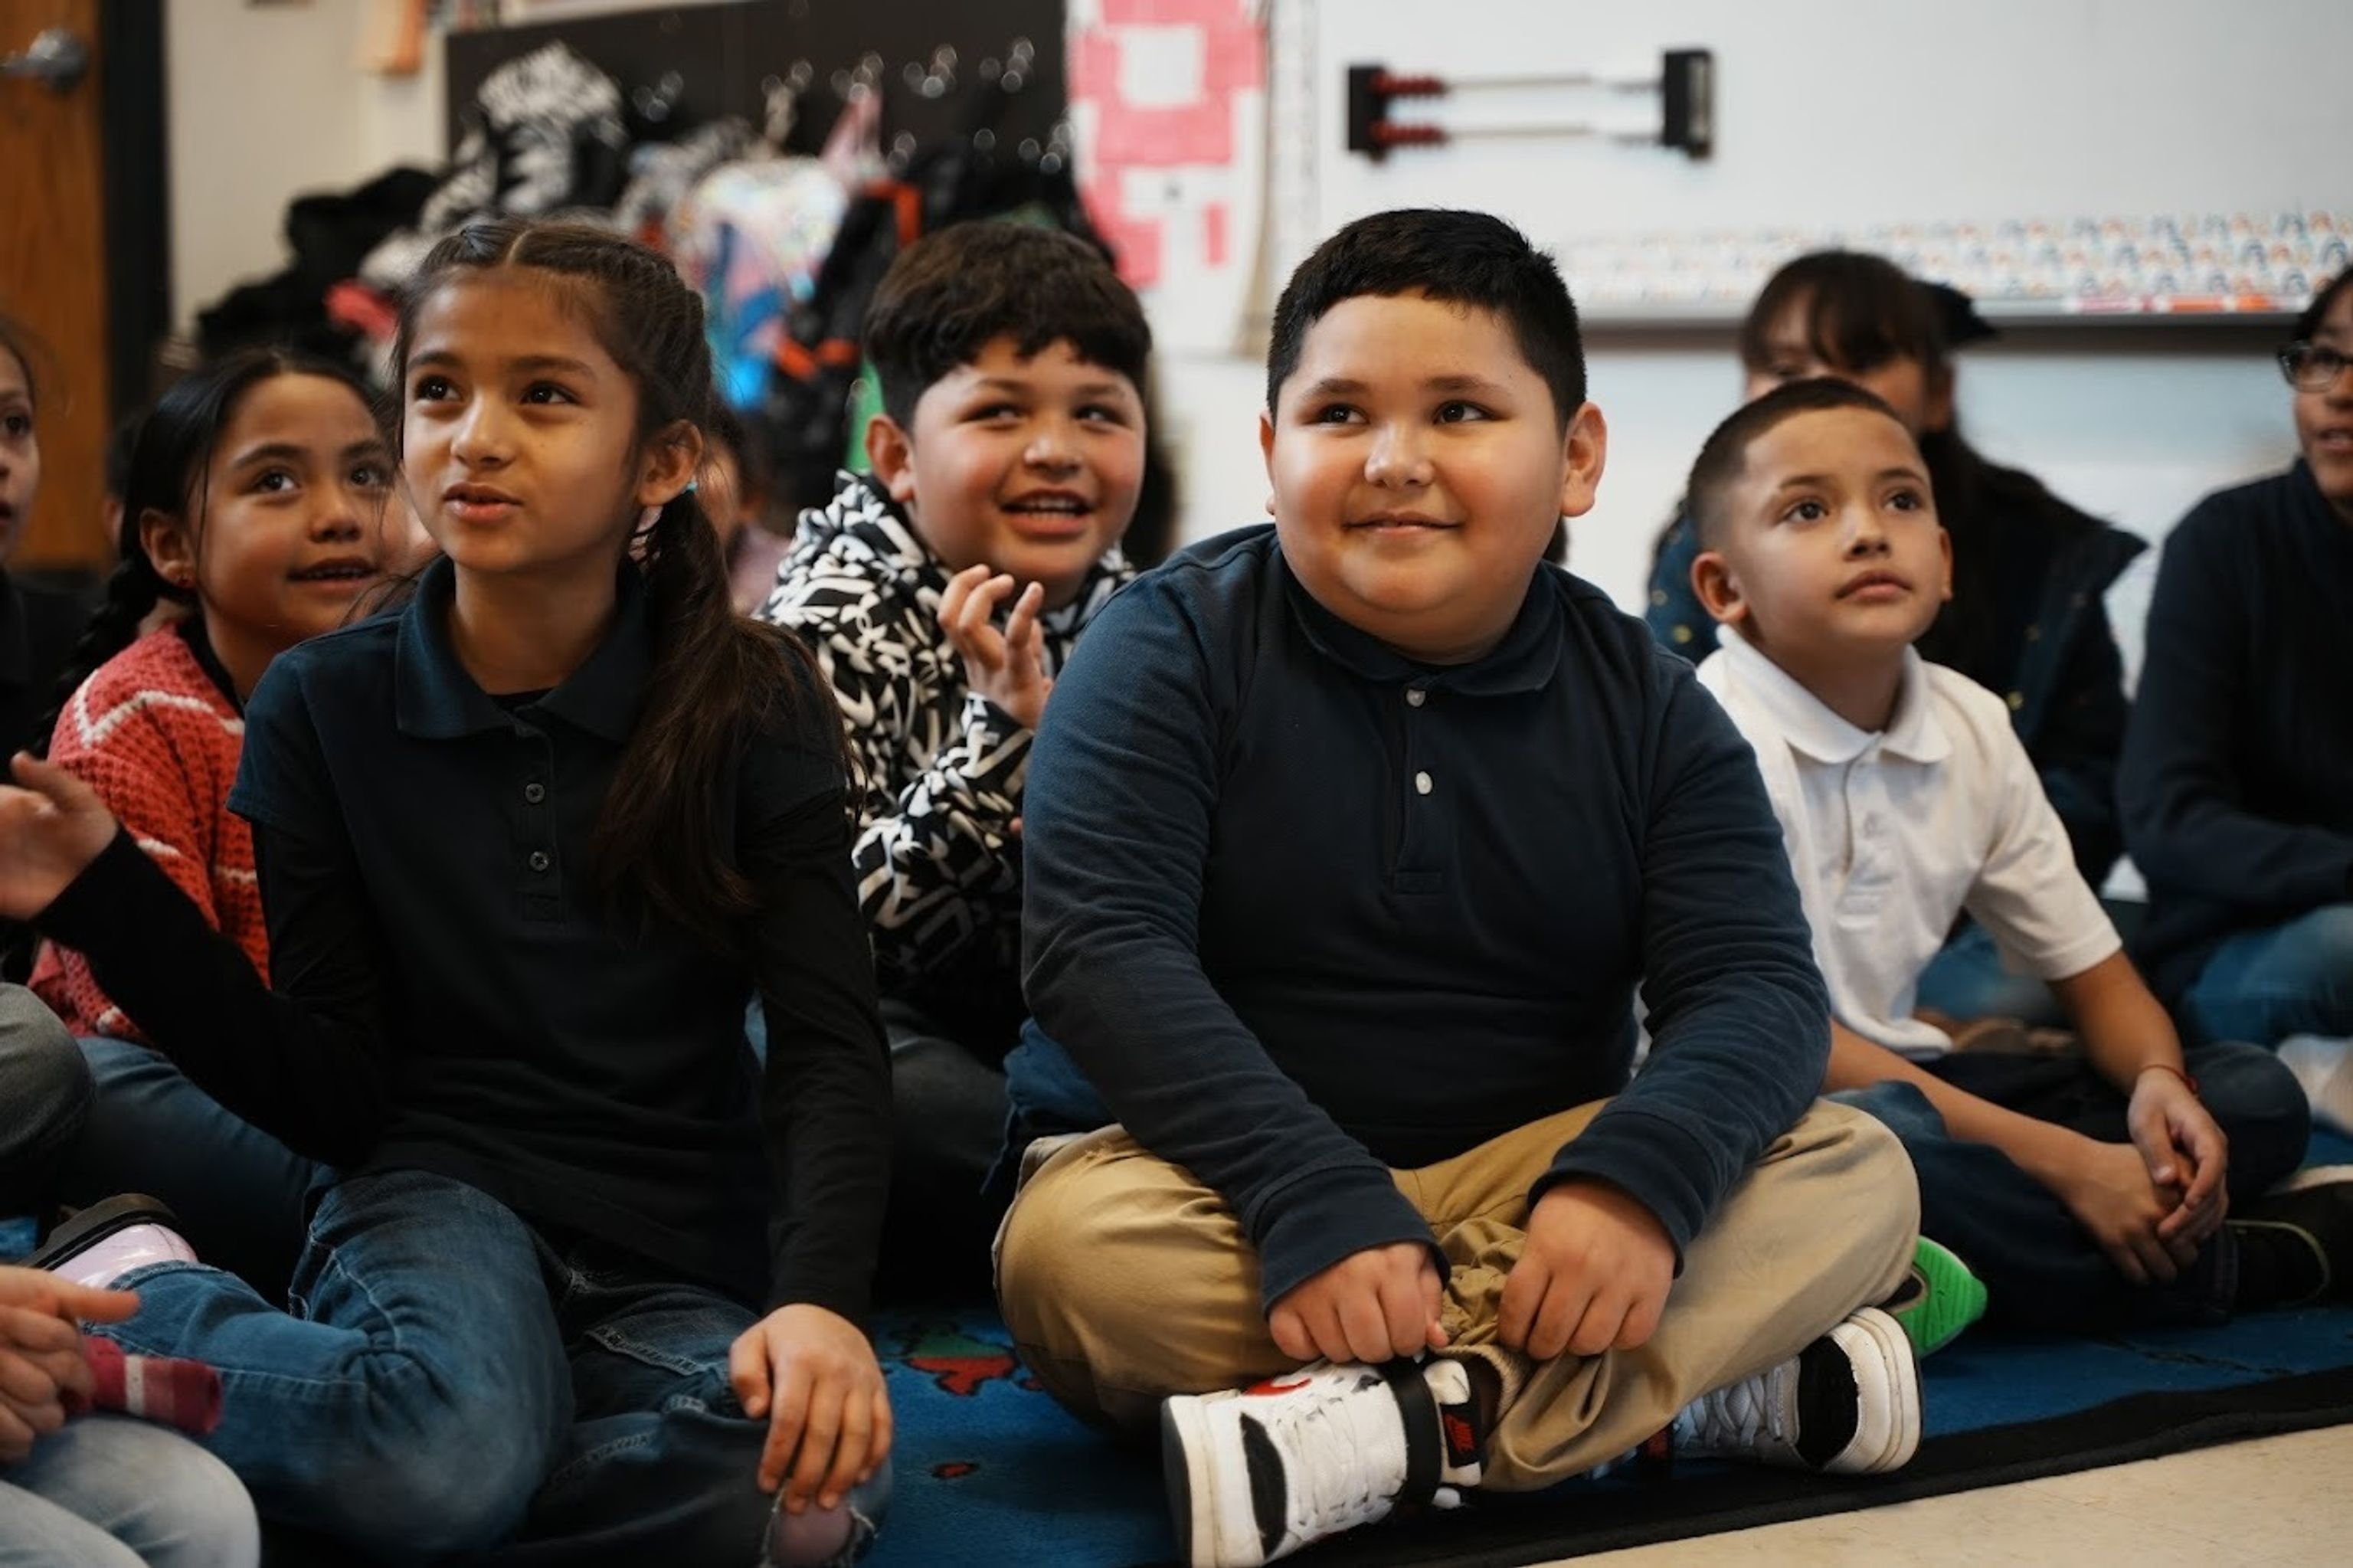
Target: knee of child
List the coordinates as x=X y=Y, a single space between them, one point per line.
x=1053 y=1260
x=204 y=1509
x=436 y=1492
x=44 y=1078
x=2257 y=1102
x=1899 y=1109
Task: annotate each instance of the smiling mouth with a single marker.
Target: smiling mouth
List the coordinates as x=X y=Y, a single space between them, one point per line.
x=336 y=572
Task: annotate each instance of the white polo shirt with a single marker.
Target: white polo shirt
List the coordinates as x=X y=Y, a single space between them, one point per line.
x=1891 y=835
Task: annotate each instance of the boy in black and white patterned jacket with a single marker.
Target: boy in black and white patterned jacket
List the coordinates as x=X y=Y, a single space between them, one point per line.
x=941 y=594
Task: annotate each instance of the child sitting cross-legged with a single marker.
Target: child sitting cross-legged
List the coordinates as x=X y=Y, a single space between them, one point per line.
x=2087 y=1188
x=1347 y=841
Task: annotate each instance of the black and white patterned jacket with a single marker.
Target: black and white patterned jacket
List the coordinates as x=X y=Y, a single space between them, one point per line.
x=938 y=862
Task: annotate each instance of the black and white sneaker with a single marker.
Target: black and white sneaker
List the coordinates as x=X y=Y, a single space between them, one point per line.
x=1849 y=1404
x=2311 y=1212
x=1256 y=1473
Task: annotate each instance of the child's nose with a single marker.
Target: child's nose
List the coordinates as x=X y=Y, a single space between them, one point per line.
x=1397 y=457
x=1051 y=446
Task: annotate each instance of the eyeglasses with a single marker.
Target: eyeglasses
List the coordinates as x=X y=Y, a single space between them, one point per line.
x=2311 y=367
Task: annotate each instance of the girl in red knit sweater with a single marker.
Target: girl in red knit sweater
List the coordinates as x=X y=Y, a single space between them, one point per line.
x=259 y=502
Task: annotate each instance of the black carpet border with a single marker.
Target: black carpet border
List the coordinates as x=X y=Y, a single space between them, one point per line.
x=1504 y=1533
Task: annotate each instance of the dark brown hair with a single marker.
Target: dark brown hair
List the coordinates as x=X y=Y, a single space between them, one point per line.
x=717 y=678
x=1723 y=458
x=952 y=293
x=168 y=465
x=2317 y=311
x=1862 y=311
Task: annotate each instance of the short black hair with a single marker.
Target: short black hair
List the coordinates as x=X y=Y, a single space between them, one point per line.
x=1458 y=257
x=1723 y=458
x=2317 y=311
x=952 y=293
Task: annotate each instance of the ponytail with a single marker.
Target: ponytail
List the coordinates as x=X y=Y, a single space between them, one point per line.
x=132 y=591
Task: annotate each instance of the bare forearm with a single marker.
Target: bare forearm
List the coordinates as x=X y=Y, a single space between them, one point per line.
x=2038 y=1147
x=2124 y=1030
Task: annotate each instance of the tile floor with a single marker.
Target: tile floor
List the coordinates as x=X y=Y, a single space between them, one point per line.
x=2280 y=1502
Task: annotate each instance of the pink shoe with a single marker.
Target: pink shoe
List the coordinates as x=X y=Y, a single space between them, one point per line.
x=106 y=1241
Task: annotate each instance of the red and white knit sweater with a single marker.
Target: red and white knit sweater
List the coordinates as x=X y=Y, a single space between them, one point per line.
x=155 y=738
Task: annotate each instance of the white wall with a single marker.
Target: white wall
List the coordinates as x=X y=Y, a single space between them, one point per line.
x=1855 y=111
x=265 y=103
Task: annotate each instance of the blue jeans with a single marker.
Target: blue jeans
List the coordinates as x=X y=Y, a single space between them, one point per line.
x=449 y=1380
x=112 y=1492
x=239 y=1193
x=1967 y=981
x=2042 y=1270
x=2296 y=977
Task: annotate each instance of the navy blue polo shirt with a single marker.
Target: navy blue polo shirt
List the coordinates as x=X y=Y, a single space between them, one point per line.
x=1303 y=910
x=469 y=1002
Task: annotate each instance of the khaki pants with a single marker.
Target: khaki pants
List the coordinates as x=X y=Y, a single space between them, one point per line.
x=1123 y=1281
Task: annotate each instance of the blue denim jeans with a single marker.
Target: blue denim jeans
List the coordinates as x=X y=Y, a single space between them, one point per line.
x=448 y=1380
x=2042 y=1270
x=2296 y=977
x=112 y=1492
x=1967 y=981
x=239 y=1193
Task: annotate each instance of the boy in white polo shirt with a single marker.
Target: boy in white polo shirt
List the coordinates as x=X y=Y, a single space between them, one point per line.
x=2119 y=1182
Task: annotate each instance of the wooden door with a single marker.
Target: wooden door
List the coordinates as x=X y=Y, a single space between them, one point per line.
x=53 y=278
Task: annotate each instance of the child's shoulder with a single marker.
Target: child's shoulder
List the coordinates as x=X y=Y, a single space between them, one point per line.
x=154 y=682
x=1614 y=649
x=1975 y=720
x=2226 y=521
x=157 y=659
x=853 y=554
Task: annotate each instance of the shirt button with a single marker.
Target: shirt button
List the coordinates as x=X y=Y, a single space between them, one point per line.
x=534 y=793
x=538 y=861
x=1682 y=634
x=1415 y=696
x=1421 y=784
x=2016 y=701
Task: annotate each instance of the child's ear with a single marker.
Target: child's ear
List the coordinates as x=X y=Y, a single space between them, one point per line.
x=171 y=547
x=1945 y=546
x=1584 y=447
x=671 y=459
x=1266 y=451
x=1718 y=589
x=891 y=454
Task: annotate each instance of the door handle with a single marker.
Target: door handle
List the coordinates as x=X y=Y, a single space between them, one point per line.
x=56 y=57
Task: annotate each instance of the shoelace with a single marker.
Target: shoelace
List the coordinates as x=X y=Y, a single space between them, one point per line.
x=1340 y=1489
x=1735 y=1416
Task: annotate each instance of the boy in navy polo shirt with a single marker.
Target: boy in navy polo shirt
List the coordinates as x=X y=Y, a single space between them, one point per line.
x=1347 y=841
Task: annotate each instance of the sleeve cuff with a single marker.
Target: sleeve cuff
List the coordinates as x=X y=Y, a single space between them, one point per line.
x=1314 y=1224
x=1654 y=1162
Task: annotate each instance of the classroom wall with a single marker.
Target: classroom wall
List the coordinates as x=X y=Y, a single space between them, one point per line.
x=1855 y=111
x=265 y=103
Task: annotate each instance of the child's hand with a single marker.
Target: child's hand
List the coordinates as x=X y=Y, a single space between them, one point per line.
x=813 y=1376
x=2186 y=1153
x=42 y=1364
x=1370 y=1305
x=2107 y=1188
x=1593 y=1274
x=1007 y=667
x=50 y=830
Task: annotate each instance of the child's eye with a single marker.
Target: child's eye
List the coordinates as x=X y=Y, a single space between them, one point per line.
x=432 y=389
x=1457 y=412
x=274 y=481
x=546 y=392
x=1906 y=501
x=994 y=413
x=1806 y=511
x=18 y=425
x=1103 y=414
x=372 y=476
x=1335 y=414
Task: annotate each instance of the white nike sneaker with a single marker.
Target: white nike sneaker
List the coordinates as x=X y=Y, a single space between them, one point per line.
x=1848 y=1405
x=1256 y=1473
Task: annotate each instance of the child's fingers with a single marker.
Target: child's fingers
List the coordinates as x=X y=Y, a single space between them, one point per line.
x=87 y=1304
x=959 y=588
x=786 y=1423
x=1290 y=1334
x=65 y=791
x=886 y=1432
x=818 y=1434
x=849 y=1450
x=1022 y=628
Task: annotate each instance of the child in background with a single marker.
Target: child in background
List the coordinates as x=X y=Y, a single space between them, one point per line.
x=942 y=595
x=98 y=1491
x=1347 y=843
x=2027 y=617
x=256 y=506
x=735 y=494
x=2238 y=777
x=525 y=850
x=37 y=625
x=2085 y=1189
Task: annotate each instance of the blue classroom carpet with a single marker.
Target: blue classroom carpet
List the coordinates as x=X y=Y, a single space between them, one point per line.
x=991 y=1471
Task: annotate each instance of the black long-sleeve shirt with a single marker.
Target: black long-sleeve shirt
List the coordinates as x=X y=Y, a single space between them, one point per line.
x=452 y=995
x=1302 y=909
x=2237 y=783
